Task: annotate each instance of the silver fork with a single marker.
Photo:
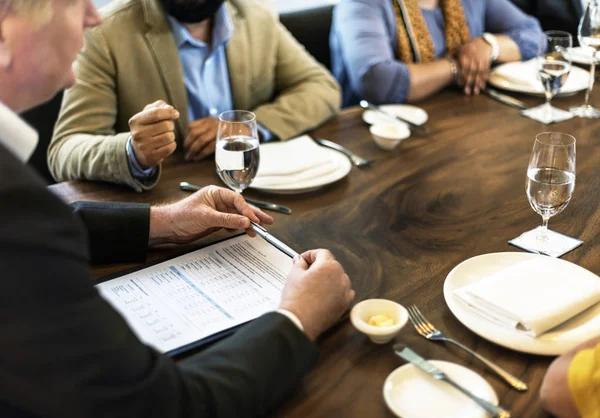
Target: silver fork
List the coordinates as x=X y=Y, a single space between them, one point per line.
x=427 y=330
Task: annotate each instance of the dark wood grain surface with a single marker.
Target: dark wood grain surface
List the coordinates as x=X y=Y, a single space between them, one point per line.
x=400 y=226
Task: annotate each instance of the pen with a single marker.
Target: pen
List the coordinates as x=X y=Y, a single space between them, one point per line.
x=272 y=240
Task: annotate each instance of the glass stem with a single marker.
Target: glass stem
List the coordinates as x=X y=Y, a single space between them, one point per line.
x=592 y=76
x=548 y=107
x=545 y=220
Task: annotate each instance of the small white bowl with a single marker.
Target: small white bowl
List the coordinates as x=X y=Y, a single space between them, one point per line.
x=389 y=135
x=360 y=314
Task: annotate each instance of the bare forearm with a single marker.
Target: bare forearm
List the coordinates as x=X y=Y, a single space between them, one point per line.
x=508 y=50
x=426 y=79
x=555 y=394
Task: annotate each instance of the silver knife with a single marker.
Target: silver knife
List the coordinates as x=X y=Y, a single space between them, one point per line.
x=409 y=355
x=413 y=126
x=505 y=99
x=189 y=187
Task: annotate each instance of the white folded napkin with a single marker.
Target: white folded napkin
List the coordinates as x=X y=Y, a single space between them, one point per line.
x=523 y=74
x=581 y=53
x=291 y=157
x=532 y=296
x=328 y=167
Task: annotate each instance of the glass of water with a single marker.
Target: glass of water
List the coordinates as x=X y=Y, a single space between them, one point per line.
x=553 y=65
x=550 y=176
x=237 y=153
x=589 y=35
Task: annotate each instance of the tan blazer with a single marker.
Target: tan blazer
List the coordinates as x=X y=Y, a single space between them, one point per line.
x=131 y=60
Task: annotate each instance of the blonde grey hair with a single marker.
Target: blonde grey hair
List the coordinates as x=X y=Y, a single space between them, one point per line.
x=37 y=11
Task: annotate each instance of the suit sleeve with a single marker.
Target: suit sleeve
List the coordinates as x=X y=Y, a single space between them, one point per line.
x=306 y=95
x=92 y=150
x=66 y=353
x=117 y=232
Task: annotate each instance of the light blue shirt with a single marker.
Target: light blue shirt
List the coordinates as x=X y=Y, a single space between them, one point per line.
x=205 y=75
x=364 y=43
x=205 y=71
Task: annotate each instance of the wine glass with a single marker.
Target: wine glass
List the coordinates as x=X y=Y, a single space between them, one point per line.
x=553 y=65
x=589 y=35
x=550 y=176
x=237 y=153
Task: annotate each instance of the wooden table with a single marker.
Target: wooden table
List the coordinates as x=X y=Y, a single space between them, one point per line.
x=400 y=226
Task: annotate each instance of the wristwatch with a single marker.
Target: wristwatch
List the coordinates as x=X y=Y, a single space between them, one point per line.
x=493 y=42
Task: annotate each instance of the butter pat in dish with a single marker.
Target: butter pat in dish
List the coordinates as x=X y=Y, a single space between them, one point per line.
x=377 y=310
x=381 y=321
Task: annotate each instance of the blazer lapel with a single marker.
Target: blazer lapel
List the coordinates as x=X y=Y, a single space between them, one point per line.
x=160 y=41
x=578 y=7
x=238 y=56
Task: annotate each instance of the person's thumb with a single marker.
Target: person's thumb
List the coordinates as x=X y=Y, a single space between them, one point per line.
x=299 y=263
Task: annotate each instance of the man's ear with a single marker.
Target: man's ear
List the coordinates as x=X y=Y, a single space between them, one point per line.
x=5 y=53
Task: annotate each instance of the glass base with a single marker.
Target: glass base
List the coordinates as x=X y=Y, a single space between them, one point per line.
x=585 y=111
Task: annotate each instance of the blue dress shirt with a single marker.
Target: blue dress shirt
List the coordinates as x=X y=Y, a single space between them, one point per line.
x=364 y=43
x=205 y=75
x=205 y=71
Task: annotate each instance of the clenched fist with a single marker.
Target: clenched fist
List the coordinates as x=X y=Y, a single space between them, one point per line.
x=153 y=133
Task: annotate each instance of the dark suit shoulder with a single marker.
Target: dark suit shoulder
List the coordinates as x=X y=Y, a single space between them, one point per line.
x=32 y=216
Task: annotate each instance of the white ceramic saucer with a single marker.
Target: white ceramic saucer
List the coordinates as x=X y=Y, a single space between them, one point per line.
x=411 y=393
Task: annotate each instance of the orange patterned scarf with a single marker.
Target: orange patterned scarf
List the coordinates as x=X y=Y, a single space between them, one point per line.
x=414 y=40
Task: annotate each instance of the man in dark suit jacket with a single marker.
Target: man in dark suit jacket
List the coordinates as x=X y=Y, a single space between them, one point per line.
x=65 y=352
x=555 y=14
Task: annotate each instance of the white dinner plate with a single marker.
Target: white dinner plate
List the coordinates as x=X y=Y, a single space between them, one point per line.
x=523 y=79
x=557 y=341
x=580 y=55
x=344 y=167
x=411 y=393
x=411 y=113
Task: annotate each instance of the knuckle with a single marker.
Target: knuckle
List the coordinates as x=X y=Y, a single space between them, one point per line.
x=212 y=189
x=162 y=126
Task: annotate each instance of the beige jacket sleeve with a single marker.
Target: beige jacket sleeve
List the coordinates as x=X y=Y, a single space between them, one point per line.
x=85 y=144
x=306 y=93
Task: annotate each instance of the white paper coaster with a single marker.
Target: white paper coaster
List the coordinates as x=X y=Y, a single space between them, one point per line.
x=556 y=245
x=540 y=114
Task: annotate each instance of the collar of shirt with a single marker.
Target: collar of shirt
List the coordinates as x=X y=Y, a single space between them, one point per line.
x=20 y=138
x=221 y=31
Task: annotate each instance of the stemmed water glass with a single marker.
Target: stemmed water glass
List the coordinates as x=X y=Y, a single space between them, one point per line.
x=550 y=177
x=553 y=65
x=237 y=153
x=589 y=35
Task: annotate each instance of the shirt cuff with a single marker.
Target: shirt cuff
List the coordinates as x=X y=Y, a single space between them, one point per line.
x=134 y=166
x=265 y=134
x=291 y=317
